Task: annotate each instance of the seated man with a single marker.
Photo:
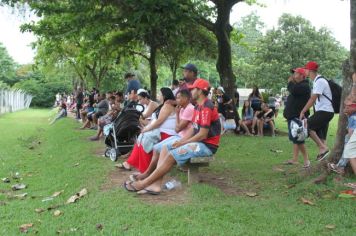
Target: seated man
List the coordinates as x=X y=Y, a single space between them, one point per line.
x=265 y=119
x=108 y=118
x=201 y=140
x=184 y=117
x=100 y=110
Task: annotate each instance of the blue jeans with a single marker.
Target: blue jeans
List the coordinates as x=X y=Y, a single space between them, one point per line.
x=191 y=150
x=158 y=147
x=343 y=161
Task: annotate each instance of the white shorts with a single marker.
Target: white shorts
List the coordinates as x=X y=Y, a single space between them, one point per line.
x=350 y=147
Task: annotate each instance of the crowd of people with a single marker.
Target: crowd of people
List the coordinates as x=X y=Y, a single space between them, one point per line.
x=188 y=119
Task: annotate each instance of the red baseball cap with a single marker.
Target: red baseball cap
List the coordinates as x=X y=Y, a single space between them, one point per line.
x=200 y=84
x=300 y=71
x=311 y=65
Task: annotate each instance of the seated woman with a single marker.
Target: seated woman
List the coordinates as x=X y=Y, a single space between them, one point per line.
x=62 y=112
x=163 y=123
x=247 y=117
x=265 y=119
x=145 y=100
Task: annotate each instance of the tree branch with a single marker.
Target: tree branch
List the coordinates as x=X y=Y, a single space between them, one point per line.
x=140 y=54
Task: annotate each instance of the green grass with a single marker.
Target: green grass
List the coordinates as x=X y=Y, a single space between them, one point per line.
x=45 y=157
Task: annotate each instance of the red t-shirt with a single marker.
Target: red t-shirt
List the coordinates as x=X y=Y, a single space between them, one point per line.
x=207 y=116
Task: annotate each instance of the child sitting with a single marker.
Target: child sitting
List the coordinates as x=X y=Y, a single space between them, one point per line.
x=265 y=119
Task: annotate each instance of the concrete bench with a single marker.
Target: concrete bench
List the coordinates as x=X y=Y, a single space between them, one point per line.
x=193 y=167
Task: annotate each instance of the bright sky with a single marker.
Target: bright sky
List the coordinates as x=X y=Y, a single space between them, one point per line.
x=334 y=14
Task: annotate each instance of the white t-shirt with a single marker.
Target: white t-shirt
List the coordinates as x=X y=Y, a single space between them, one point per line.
x=321 y=86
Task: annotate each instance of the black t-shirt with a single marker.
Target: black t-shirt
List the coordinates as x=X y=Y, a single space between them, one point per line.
x=221 y=100
x=80 y=98
x=268 y=116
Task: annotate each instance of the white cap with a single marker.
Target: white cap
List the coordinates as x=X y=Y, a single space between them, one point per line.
x=221 y=89
x=141 y=90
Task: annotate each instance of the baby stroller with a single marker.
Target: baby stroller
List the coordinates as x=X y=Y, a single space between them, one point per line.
x=121 y=134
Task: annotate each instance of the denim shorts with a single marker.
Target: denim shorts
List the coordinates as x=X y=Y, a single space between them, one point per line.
x=158 y=147
x=191 y=150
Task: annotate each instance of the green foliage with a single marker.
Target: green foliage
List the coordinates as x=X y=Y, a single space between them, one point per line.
x=43 y=91
x=7 y=67
x=294 y=42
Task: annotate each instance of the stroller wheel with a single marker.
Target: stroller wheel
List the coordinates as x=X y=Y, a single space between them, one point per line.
x=113 y=154
x=107 y=152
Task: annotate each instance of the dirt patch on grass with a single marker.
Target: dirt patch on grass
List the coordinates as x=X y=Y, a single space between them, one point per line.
x=117 y=177
x=222 y=182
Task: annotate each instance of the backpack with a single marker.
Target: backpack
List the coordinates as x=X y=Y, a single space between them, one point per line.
x=299 y=129
x=336 y=92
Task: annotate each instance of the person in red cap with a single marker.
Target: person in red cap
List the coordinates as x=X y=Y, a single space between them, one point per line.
x=201 y=140
x=320 y=98
x=299 y=94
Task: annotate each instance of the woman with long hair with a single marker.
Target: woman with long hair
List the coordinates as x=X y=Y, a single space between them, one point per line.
x=255 y=99
x=150 y=106
x=161 y=127
x=247 y=117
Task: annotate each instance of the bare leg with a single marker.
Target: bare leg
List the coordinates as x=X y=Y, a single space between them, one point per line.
x=254 y=123
x=243 y=125
x=353 y=164
x=322 y=147
x=153 y=164
x=271 y=125
x=295 y=153
x=304 y=153
x=154 y=181
x=260 y=127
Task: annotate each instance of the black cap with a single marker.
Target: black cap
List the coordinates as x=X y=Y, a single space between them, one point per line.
x=129 y=74
x=190 y=67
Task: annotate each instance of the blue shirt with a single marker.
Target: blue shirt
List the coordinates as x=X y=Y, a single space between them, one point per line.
x=351 y=124
x=133 y=85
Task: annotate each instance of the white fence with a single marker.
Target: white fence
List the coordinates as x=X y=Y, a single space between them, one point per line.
x=14 y=100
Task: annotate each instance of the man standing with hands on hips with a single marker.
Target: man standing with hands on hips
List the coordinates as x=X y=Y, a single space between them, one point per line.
x=321 y=97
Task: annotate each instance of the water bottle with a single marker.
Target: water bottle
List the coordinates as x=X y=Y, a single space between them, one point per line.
x=172 y=184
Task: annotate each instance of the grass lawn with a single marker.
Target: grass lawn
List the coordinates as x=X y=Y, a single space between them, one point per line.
x=59 y=157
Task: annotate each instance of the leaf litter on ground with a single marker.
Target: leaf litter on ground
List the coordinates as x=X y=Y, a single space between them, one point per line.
x=24 y=228
x=77 y=196
x=307 y=201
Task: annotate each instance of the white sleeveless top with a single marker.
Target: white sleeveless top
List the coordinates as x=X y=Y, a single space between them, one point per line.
x=169 y=125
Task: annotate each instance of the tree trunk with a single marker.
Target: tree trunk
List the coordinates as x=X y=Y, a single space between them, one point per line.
x=153 y=71
x=353 y=35
x=222 y=32
x=348 y=68
x=342 y=123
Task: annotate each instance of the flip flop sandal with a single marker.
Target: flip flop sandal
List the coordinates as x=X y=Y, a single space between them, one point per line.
x=307 y=165
x=322 y=156
x=289 y=162
x=133 y=177
x=350 y=185
x=146 y=191
x=122 y=167
x=129 y=187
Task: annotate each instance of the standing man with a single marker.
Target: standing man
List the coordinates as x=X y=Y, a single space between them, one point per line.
x=132 y=86
x=321 y=96
x=79 y=100
x=299 y=94
x=190 y=73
